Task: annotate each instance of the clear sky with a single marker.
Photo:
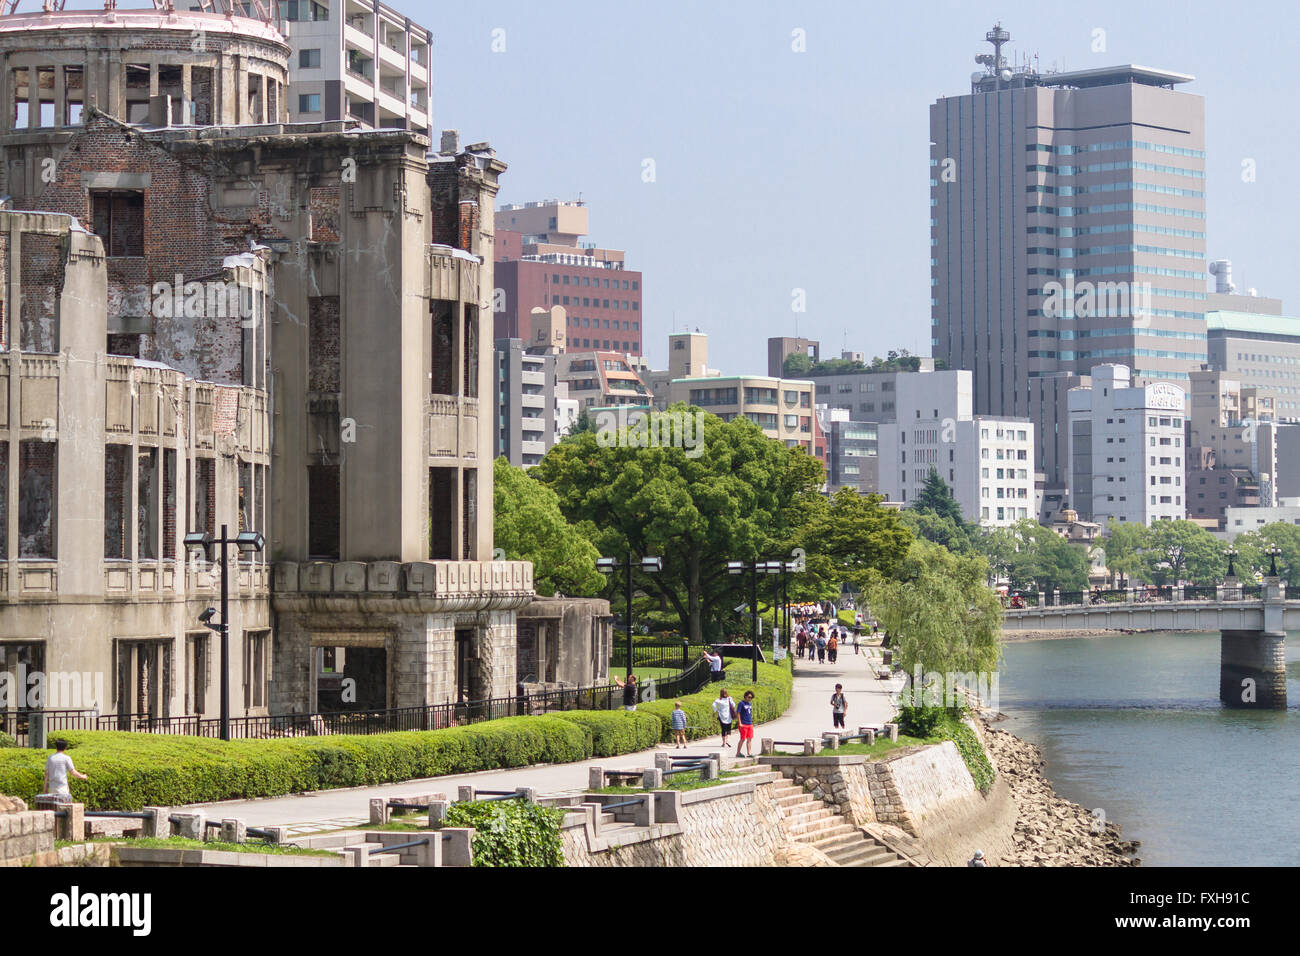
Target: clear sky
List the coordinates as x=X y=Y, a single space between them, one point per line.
x=777 y=170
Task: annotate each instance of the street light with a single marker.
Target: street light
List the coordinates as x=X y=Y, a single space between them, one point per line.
x=1272 y=553
x=754 y=568
x=248 y=542
x=1232 y=554
x=648 y=565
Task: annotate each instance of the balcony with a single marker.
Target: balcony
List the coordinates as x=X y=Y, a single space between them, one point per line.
x=532 y=424
x=532 y=401
x=535 y=378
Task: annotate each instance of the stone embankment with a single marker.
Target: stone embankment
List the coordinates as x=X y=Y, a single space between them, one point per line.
x=1050 y=830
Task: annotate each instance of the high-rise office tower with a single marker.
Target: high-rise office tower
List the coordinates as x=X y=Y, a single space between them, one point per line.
x=1067 y=231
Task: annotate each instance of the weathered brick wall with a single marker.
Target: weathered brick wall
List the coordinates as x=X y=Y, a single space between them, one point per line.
x=42 y=280
x=36 y=499
x=323 y=349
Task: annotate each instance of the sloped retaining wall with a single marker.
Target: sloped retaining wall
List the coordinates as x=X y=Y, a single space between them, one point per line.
x=730 y=824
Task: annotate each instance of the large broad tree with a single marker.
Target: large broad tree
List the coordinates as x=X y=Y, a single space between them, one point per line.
x=1183 y=551
x=1044 y=561
x=939 y=611
x=530 y=527
x=1252 y=560
x=1124 y=545
x=847 y=539
x=733 y=495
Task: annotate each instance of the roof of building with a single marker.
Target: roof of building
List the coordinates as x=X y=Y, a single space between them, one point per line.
x=1106 y=75
x=1253 y=323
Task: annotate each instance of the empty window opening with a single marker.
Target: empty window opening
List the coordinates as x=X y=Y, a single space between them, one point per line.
x=36 y=495
x=118 y=219
x=469 y=513
x=323 y=512
x=442 y=513
x=443 y=358
x=147 y=504
x=117 y=501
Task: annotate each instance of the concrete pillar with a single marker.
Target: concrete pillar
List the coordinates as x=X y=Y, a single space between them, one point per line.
x=870 y=735
x=663 y=761
x=595 y=778
x=357 y=855
x=277 y=835
x=668 y=806
x=233 y=831
x=1252 y=669
x=429 y=854
x=652 y=778
x=528 y=794
x=464 y=794
x=157 y=823
x=809 y=747
x=457 y=846
x=766 y=747
x=893 y=732
x=438 y=811
x=832 y=741
x=643 y=815
x=378 y=811
x=191 y=824
x=593 y=812
x=72 y=825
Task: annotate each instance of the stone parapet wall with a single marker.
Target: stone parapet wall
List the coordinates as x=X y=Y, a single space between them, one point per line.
x=843 y=783
x=24 y=834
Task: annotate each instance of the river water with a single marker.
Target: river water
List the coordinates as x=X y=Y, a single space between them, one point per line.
x=1131 y=726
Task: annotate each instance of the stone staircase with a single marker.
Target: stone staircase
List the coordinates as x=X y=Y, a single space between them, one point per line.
x=811 y=822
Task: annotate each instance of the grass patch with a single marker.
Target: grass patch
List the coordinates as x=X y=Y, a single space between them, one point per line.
x=882 y=746
x=183 y=843
x=680 y=781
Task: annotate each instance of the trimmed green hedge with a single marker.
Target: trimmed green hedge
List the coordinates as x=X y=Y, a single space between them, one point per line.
x=772 y=696
x=616 y=731
x=131 y=770
x=6 y=740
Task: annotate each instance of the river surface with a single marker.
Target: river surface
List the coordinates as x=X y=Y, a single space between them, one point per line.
x=1131 y=725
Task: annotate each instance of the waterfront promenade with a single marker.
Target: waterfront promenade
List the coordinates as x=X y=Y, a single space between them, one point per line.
x=809 y=715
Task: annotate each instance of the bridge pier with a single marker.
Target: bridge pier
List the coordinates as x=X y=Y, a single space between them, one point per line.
x=1252 y=669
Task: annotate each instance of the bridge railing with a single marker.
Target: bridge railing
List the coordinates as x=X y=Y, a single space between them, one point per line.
x=1200 y=592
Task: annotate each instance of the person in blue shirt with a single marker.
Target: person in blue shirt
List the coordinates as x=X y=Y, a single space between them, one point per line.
x=745 y=715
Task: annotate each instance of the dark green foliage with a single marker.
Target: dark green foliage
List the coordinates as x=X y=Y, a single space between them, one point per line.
x=936 y=497
x=7 y=741
x=129 y=771
x=616 y=731
x=511 y=832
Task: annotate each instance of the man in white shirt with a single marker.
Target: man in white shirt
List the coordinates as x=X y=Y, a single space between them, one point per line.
x=715 y=664
x=57 y=768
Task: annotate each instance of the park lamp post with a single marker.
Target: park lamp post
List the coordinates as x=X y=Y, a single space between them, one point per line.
x=647 y=566
x=248 y=542
x=787 y=568
x=1272 y=553
x=1232 y=554
x=755 y=568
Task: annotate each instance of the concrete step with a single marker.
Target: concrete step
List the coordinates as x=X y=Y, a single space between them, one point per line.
x=817 y=830
x=826 y=835
x=385 y=859
x=834 y=844
x=864 y=855
x=793 y=799
x=806 y=813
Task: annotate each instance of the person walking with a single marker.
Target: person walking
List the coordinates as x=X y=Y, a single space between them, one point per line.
x=678 y=723
x=629 y=691
x=856 y=649
x=832 y=648
x=745 y=714
x=725 y=709
x=839 y=705
x=821 y=647
x=57 y=768
x=715 y=664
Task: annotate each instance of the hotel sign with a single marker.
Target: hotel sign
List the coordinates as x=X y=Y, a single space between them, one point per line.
x=1164 y=395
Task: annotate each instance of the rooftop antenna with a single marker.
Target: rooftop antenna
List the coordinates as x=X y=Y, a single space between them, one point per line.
x=995 y=62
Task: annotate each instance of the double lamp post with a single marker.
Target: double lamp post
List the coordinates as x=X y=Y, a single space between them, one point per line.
x=647 y=566
x=755 y=568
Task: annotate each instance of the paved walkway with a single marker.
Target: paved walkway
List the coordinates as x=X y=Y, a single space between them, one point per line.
x=809 y=715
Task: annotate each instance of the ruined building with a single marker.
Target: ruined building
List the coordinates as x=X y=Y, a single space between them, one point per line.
x=209 y=318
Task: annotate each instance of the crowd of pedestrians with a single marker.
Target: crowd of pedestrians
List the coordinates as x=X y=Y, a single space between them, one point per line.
x=821 y=640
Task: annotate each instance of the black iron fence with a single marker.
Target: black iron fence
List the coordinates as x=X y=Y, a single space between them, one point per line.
x=433 y=717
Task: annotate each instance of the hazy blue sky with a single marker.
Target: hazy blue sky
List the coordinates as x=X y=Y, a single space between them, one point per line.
x=778 y=170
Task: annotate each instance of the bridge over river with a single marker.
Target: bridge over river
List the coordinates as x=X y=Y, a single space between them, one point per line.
x=1252 y=621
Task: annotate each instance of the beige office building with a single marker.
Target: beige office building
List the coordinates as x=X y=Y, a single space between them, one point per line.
x=783 y=408
x=1067 y=231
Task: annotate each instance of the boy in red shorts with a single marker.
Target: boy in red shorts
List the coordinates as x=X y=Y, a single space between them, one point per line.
x=745 y=714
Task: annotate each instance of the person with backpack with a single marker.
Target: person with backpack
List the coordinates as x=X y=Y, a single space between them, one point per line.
x=839 y=705
x=725 y=709
x=832 y=648
x=821 y=646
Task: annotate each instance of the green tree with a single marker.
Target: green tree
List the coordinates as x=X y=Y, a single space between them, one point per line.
x=1183 y=551
x=797 y=365
x=939 y=611
x=1252 y=545
x=955 y=535
x=582 y=424
x=530 y=527
x=742 y=499
x=1124 y=546
x=848 y=539
x=1045 y=561
x=999 y=547
x=936 y=498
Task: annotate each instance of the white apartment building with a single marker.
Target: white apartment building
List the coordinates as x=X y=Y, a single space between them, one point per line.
x=357 y=59
x=987 y=461
x=1126 y=449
